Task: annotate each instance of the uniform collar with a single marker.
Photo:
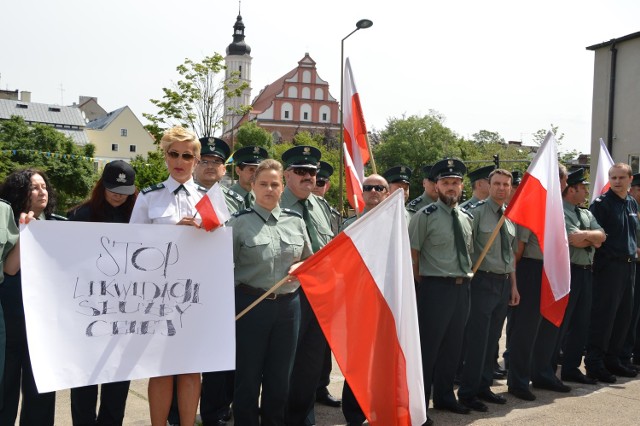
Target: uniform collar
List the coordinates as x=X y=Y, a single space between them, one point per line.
x=495 y=207
x=264 y=213
x=448 y=209
x=171 y=184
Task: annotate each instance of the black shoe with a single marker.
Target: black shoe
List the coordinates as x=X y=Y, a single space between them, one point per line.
x=454 y=407
x=621 y=370
x=578 y=377
x=489 y=396
x=629 y=365
x=328 y=399
x=602 y=375
x=524 y=394
x=499 y=374
x=556 y=386
x=429 y=422
x=474 y=404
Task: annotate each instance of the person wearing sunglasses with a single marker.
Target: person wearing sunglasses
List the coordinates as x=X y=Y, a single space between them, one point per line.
x=428 y=196
x=301 y=167
x=246 y=160
x=173 y=202
x=399 y=177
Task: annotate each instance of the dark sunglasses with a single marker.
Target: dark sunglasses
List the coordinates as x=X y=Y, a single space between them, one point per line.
x=185 y=155
x=378 y=188
x=301 y=171
x=206 y=163
x=321 y=183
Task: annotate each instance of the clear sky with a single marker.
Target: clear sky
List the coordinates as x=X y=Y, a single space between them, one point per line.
x=501 y=65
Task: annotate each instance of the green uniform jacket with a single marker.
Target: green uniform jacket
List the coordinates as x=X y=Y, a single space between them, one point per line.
x=319 y=211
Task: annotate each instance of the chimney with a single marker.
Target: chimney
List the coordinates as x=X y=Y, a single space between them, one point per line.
x=25 y=96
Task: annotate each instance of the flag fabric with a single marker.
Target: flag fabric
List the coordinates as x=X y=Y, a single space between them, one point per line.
x=600 y=179
x=361 y=289
x=213 y=208
x=537 y=205
x=355 y=129
x=354 y=183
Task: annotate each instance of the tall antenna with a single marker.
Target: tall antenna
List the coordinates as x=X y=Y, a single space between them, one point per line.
x=61 y=94
x=239 y=5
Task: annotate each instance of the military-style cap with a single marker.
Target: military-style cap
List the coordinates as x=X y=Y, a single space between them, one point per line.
x=215 y=146
x=250 y=155
x=449 y=167
x=118 y=176
x=481 y=173
x=577 y=176
x=636 y=180
x=398 y=174
x=324 y=171
x=301 y=156
x=516 y=178
x=426 y=170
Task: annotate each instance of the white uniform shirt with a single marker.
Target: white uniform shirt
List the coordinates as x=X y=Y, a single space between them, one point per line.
x=162 y=204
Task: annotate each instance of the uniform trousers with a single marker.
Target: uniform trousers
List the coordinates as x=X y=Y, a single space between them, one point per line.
x=611 y=311
x=307 y=366
x=350 y=407
x=631 y=344
x=113 y=400
x=575 y=325
x=490 y=295
x=266 y=339
x=216 y=396
x=443 y=308
x=533 y=338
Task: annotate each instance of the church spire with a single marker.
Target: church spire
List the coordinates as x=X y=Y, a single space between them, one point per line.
x=238 y=46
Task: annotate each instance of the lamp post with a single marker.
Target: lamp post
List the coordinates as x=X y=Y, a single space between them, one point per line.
x=361 y=24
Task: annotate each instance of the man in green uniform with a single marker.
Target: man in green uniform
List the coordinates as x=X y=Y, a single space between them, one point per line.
x=246 y=160
x=398 y=177
x=301 y=167
x=442 y=270
x=493 y=289
x=428 y=196
x=479 y=179
x=323 y=184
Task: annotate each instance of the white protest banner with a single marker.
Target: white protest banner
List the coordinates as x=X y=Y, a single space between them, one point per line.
x=109 y=302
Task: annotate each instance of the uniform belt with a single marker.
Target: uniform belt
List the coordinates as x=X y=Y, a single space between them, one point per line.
x=531 y=259
x=252 y=291
x=586 y=267
x=493 y=275
x=626 y=259
x=450 y=280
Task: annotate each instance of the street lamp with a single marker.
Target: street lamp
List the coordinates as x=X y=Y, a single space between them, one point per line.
x=361 y=24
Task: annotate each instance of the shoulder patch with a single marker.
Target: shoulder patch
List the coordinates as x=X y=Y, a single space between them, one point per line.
x=152 y=188
x=235 y=195
x=291 y=212
x=201 y=188
x=413 y=203
x=473 y=206
x=54 y=216
x=334 y=211
x=241 y=212
x=599 y=199
x=465 y=211
x=430 y=209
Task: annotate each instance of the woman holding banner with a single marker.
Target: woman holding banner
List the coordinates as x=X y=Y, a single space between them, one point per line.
x=27 y=191
x=268 y=241
x=112 y=200
x=173 y=202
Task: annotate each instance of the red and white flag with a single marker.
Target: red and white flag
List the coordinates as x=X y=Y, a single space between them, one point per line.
x=355 y=130
x=537 y=205
x=213 y=208
x=354 y=183
x=600 y=179
x=363 y=296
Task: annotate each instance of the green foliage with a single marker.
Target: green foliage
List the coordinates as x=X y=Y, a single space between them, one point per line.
x=68 y=166
x=150 y=169
x=485 y=136
x=196 y=101
x=538 y=137
x=250 y=134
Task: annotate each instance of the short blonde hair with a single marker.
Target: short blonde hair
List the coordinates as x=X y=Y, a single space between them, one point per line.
x=180 y=134
x=268 y=164
x=623 y=166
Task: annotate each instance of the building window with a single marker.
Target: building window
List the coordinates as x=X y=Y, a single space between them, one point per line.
x=123 y=132
x=132 y=148
x=305 y=116
x=286 y=114
x=324 y=116
x=114 y=147
x=634 y=162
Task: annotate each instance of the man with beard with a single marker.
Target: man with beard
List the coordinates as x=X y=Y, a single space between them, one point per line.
x=428 y=196
x=442 y=269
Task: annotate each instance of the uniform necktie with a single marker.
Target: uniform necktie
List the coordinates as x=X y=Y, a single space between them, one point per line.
x=247 y=200
x=311 y=229
x=181 y=187
x=504 y=239
x=583 y=227
x=461 y=246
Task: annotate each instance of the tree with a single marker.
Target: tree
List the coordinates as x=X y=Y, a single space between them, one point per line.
x=538 y=137
x=150 y=169
x=485 y=136
x=69 y=166
x=250 y=133
x=196 y=101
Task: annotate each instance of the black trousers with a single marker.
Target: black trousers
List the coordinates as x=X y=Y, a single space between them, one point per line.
x=489 y=301
x=266 y=339
x=443 y=308
x=350 y=407
x=631 y=344
x=113 y=400
x=307 y=367
x=216 y=396
x=611 y=311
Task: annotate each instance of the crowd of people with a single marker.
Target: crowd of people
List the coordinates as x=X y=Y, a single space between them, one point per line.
x=280 y=218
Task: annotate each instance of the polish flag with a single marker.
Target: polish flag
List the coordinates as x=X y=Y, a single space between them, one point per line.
x=355 y=129
x=354 y=183
x=213 y=208
x=361 y=289
x=537 y=205
x=600 y=179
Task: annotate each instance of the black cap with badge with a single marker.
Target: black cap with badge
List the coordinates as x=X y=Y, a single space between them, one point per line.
x=214 y=146
x=324 y=171
x=449 y=167
x=426 y=170
x=118 y=176
x=301 y=156
x=577 y=176
x=398 y=174
x=481 y=173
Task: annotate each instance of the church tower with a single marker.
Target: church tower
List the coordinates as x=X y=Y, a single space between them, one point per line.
x=238 y=60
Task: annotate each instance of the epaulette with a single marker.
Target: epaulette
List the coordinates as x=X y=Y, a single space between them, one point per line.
x=291 y=212
x=201 y=188
x=430 y=209
x=241 y=212
x=321 y=199
x=414 y=203
x=599 y=199
x=473 y=206
x=56 y=217
x=152 y=188
x=465 y=211
x=334 y=211
x=234 y=195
